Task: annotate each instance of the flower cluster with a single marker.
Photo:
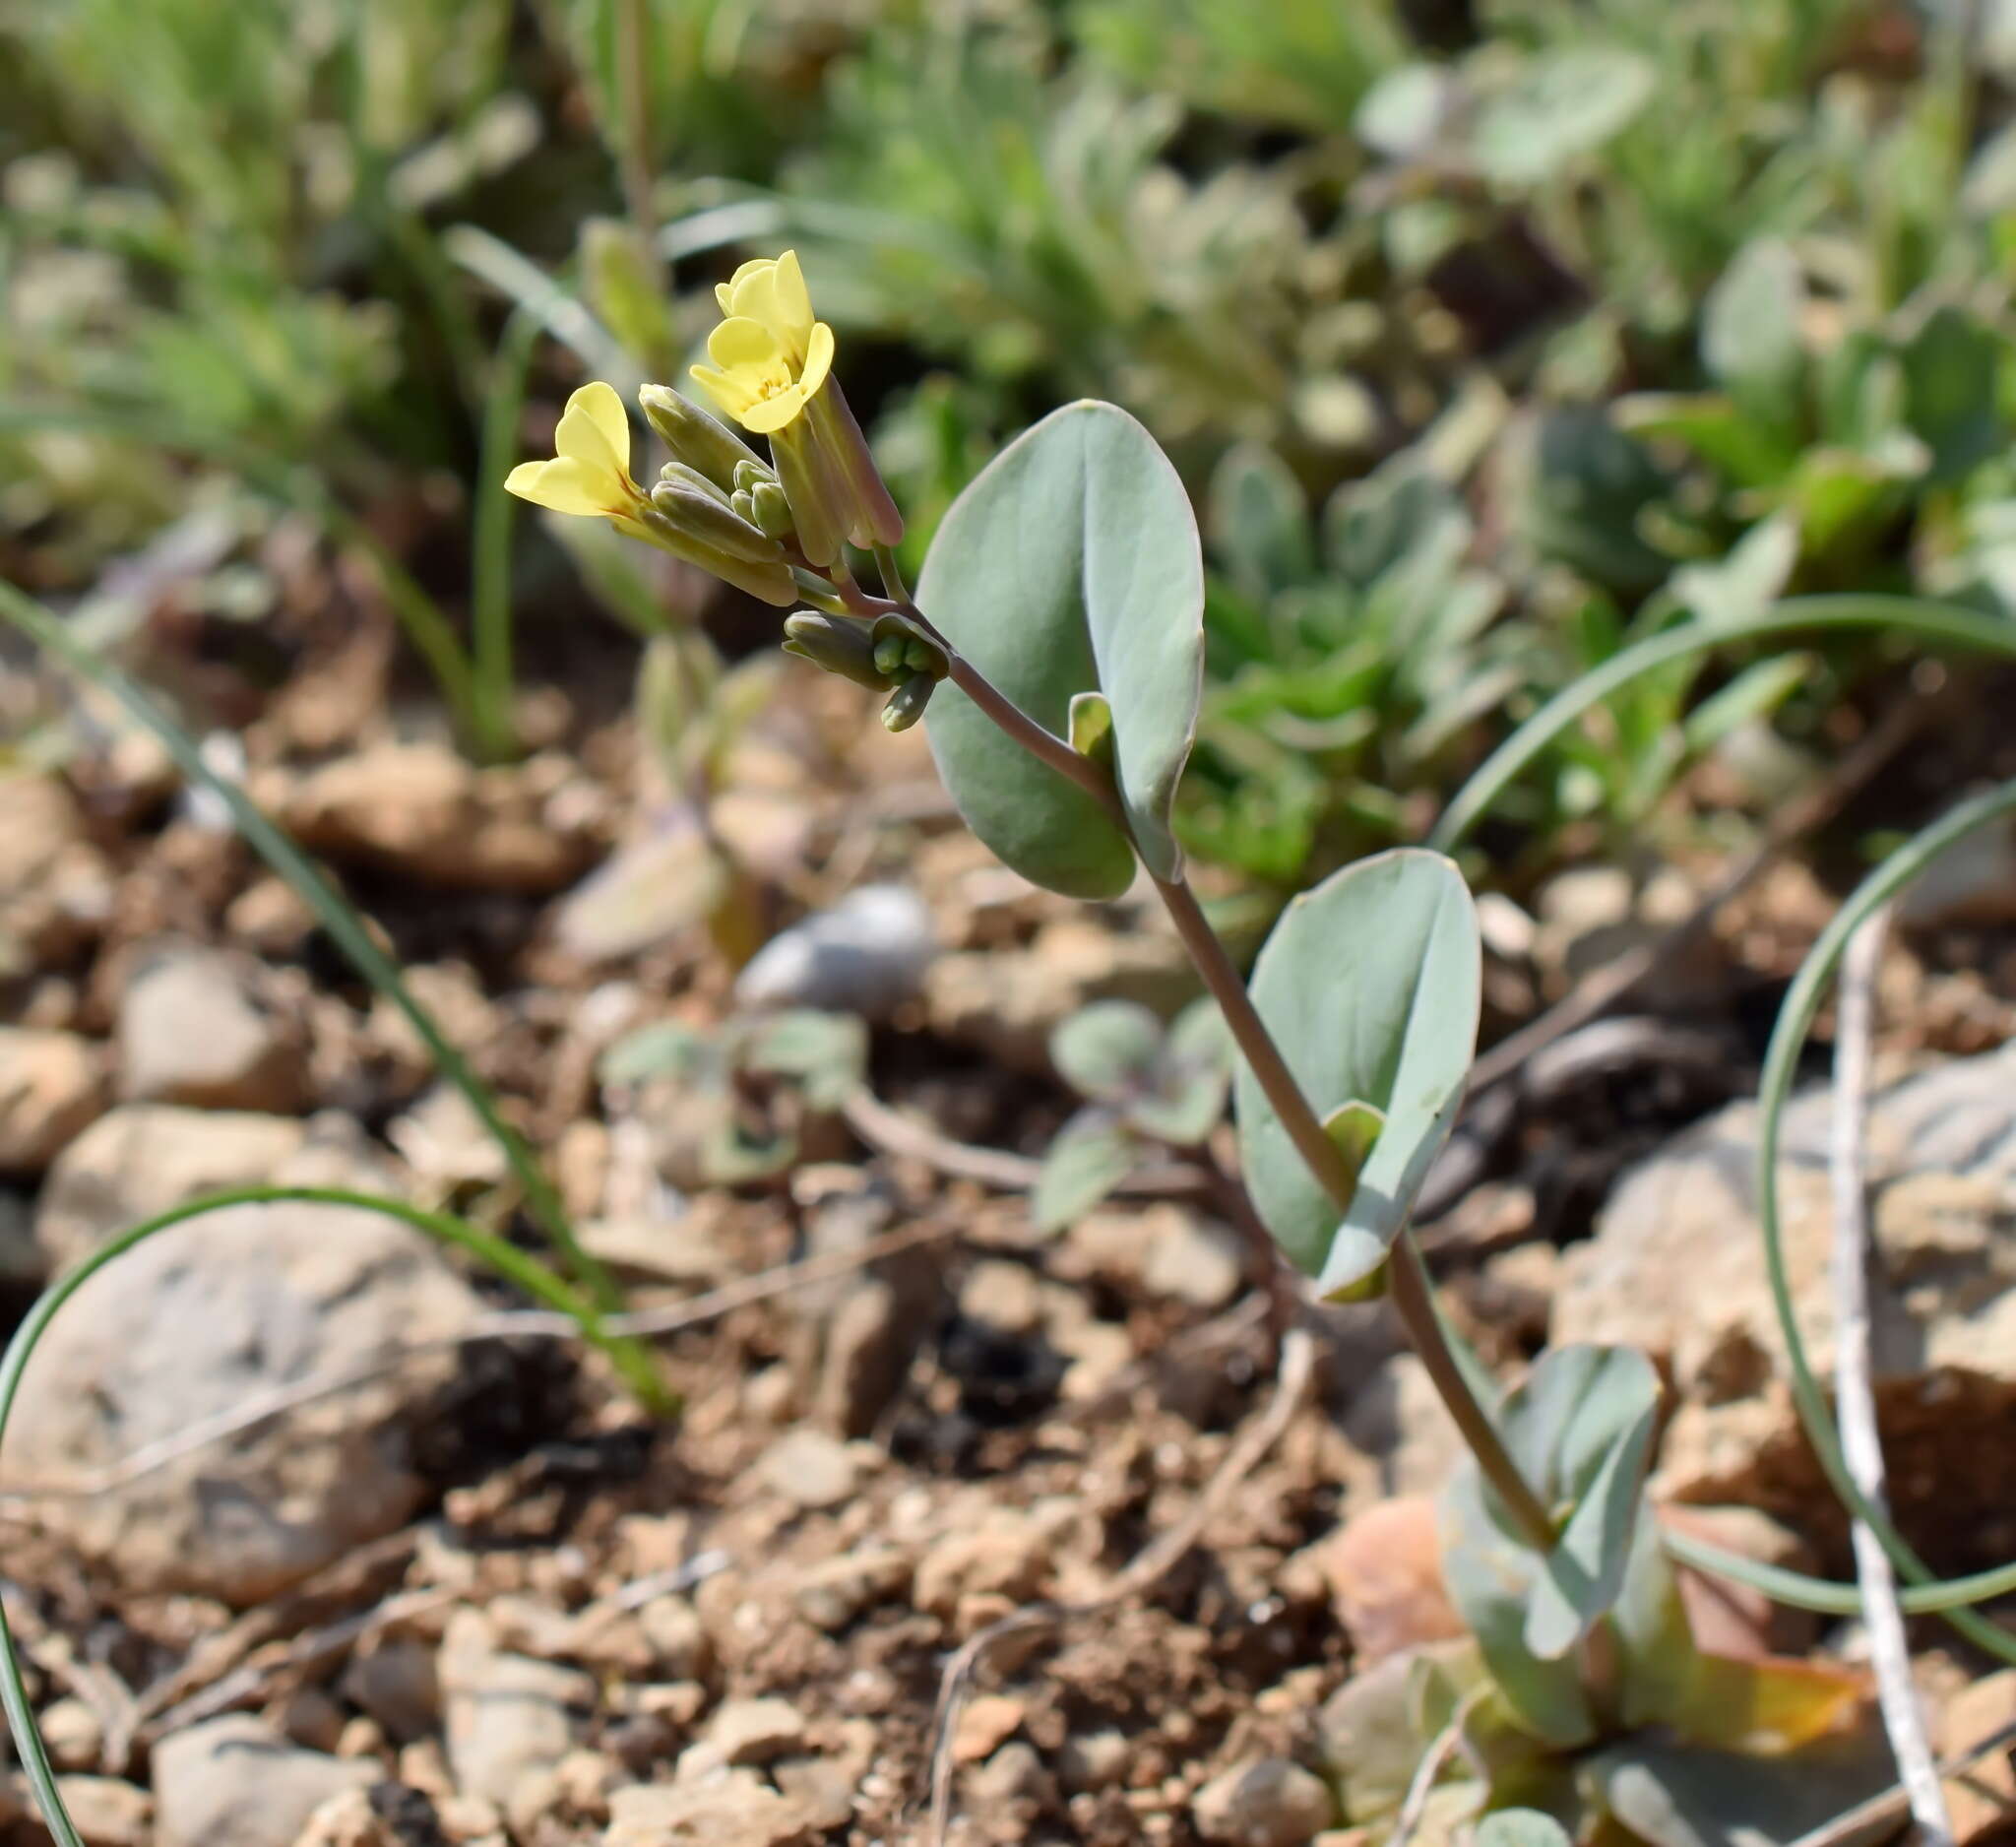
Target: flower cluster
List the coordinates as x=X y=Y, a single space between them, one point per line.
x=768 y=528
x=718 y=503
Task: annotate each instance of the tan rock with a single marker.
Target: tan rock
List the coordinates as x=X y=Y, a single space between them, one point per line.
x=737 y=1809
x=232 y=1782
x=421 y=810
x=1384 y=1569
x=52 y=1088
x=1269 y=1803
x=193 y=1030
x=1677 y=1268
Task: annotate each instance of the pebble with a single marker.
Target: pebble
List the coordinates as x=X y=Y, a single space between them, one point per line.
x=52 y=1088
x=1272 y=1803
x=107 y=1811
x=234 y=1782
x=809 y=1469
x=835 y=1593
x=987 y=1723
x=865 y=955
x=734 y=1810
x=507 y=1715
x=1191 y=1259
x=744 y=1733
x=193 y=1030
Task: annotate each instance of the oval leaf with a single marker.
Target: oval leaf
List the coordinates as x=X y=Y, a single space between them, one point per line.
x=1071 y=566
x=1520 y=1827
x=1092 y=1153
x=1107 y=1050
x=1370 y=985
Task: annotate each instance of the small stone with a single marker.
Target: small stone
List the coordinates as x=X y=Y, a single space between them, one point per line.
x=312 y=1719
x=1385 y=1574
x=835 y=1593
x=422 y=810
x=677 y=1639
x=1005 y=1296
x=234 y=1782
x=866 y=955
x=737 y=1809
x=107 y=1811
x=1094 y=1760
x=987 y=1723
x=52 y=1088
x=346 y=1819
x=1005 y=1002
x=754 y=1731
x=1980 y=1802
x=1012 y=1790
x=72 y=1733
x=396 y=1685
x=141 y=1159
x=809 y=1469
x=1195 y=1260
x=1269 y=1803
x=193 y=1031
x=507 y=1715
x=1009 y=1558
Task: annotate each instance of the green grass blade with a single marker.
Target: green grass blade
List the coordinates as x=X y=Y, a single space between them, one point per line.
x=1910 y=615
x=490 y=638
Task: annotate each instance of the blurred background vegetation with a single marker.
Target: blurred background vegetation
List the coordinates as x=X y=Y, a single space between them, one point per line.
x=1490 y=335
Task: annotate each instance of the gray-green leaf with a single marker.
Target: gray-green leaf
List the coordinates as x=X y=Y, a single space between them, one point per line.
x=1093 y=1154
x=1370 y=985
x=1070 y=566
x=1107 y=1050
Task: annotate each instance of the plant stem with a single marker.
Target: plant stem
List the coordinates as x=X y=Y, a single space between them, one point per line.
x=1413 y=1296
x=1408 y=1277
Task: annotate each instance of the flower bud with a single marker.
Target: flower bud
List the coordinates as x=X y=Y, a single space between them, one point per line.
x=702 y=442
x=908 y=702
x=841 y=643
x=709 y=517
x=690 y=526
x=901 y=649
x=682 y=475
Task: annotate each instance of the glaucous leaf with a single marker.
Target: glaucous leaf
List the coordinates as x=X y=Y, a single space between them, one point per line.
x=825 y=1054
x=1750 y=341
x=1258 y=519
x=1520 y=1827
x=1561 y=104
x=1370 y=985
x=1070 y=566
x=1107 y=1050
x=1192 y=1075
x=1092 y=1153
x=1680 y=1796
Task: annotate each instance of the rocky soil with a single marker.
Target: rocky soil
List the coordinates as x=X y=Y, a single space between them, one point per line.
x=311 y=1539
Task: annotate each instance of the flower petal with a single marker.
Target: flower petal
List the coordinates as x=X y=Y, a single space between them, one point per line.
x=741 y=343
x=730 y=391
x=775 y=412
x=818 y=357
x=565 y=483
x=594 y=429
x=793 y=299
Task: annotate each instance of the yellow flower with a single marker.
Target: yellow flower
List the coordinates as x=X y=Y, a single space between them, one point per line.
x=753 y=377
x=770 y=355
x=590 y=472
x=772 y=291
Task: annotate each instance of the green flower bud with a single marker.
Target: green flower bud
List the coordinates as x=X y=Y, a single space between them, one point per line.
x=901 y=649
x=700 y=441
x=771 y=511
x=680 y=475
x=666 y=520
x=908 y=702
x=749 y=476
x=841 y=643
x=712 y=520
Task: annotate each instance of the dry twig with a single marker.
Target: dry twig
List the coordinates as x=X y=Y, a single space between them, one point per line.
x=1889 y=1649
